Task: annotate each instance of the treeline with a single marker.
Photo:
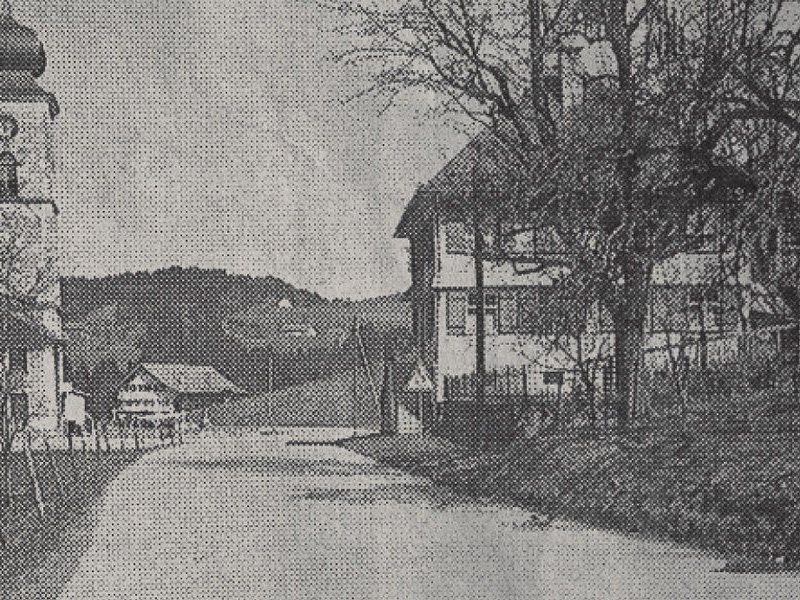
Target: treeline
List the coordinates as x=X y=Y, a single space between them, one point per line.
x=211 y=290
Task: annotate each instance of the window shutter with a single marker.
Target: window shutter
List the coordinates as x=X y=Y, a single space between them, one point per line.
x=659 y=317
x=528 y=309
x=18 y=360
x=606 y=320
x=678 y=307
x=730 y=309
x=456 y=312
x=508 y=322
x=549 y=314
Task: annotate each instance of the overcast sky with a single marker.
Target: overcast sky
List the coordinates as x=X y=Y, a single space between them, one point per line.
x=214 y=133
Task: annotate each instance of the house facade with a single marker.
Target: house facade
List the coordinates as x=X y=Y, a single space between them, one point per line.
x=698 y=301
x=31 y=334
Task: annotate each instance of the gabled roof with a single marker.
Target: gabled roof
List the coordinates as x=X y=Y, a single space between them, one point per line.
x=485 y=165
x=189 y=379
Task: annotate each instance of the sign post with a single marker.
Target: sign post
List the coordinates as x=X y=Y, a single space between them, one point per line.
x=420 y=382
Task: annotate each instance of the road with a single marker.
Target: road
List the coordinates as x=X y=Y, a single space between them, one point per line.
x=245 y=516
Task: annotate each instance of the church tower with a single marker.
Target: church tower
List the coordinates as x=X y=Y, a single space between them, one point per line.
x=31 y=338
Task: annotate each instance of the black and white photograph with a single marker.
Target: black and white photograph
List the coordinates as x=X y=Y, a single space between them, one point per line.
x=399 y=299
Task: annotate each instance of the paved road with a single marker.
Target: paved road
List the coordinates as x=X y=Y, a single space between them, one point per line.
x=245 y=516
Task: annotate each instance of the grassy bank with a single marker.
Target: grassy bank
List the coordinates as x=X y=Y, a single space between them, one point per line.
x=39 y=554
x=734 y=491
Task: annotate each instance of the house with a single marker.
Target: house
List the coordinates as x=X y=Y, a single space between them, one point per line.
x=695 y=302
x=31 y=335
x=156 y=391
x=297 y=329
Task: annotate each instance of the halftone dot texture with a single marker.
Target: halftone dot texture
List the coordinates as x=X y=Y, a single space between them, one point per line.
x=216 y=134
x=245 y=515
x=207 y=133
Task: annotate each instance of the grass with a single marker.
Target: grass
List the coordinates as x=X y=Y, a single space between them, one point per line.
x=38 y=554
x=725 y=480
x=323 y=403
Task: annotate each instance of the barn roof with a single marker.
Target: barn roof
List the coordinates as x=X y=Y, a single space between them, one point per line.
x=191 y=379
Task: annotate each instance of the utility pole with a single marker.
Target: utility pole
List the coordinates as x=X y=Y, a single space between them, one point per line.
x=365 y=361
x=355 y=373
x=480 y=300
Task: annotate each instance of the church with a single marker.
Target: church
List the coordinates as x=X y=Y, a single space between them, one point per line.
x=31 y=335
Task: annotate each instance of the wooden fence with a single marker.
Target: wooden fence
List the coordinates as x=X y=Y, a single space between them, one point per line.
x=45 y=476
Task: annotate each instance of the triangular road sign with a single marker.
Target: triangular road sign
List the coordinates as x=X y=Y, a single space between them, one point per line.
x=420 y=381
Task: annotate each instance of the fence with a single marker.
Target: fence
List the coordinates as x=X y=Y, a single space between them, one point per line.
x=45 y=475
x=703 y=375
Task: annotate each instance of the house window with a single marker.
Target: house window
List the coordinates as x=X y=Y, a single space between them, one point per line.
x=553 y=378
x=505 y=239
x=18 y=360
x=462 y=308
x=531 y=241
x=490 y=301
x=605 y=319
x=703 y=228
x=712 y=308
x=668 y=311
x=790 y=231
x=459 y=238
x=538 y=310
x=722 y=308
x=695 y=305
x=548 y=241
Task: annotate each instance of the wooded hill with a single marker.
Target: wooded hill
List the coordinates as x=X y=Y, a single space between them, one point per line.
x=233 y=322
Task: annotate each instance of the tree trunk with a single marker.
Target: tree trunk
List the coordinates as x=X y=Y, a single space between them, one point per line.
x=629 y=315
x=629 y=327
x=6 y=444
x=535 y=47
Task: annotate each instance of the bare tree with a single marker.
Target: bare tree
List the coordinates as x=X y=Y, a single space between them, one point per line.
x=658 y=133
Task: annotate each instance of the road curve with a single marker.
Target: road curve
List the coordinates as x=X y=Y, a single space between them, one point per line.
x=245 y=516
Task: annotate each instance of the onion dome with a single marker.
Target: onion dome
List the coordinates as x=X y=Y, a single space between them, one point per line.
x=20 y=48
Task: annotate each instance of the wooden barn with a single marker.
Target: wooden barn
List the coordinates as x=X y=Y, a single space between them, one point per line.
x=156 y=391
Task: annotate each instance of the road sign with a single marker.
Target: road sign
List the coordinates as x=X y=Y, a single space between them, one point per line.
x=420 y=381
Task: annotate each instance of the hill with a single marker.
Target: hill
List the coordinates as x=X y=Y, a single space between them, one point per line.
x=236 y=323
x=326 y=402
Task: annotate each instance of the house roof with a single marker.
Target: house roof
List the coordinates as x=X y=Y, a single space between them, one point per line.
x=24 y=331
x=189 y=379
x=488 y=167
x=485 y=166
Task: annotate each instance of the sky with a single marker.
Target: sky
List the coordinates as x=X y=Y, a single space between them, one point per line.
x=216 y=133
